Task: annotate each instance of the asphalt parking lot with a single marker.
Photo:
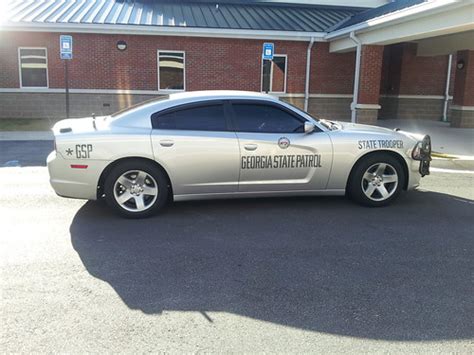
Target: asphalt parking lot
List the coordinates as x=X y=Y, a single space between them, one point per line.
x=288 y=275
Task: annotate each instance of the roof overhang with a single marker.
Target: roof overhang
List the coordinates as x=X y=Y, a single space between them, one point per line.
x=444 y=45
x=428 y=19
x=163 y=31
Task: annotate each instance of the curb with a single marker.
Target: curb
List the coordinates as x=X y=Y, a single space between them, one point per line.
x=451 y=161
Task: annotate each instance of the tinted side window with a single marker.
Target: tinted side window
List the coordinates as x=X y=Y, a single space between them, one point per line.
x=201 y=118
x=265 y=119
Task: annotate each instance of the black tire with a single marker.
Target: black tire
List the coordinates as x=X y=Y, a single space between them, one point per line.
x=153 y=173
x=359 y=187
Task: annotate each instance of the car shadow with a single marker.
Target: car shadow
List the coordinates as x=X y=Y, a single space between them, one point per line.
x=322 y=264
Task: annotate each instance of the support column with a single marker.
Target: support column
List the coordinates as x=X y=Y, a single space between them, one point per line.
x=367 y=105
x=462 y=109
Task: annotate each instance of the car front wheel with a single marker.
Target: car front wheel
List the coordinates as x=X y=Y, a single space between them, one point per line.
x=136 y=189
x=377 y=180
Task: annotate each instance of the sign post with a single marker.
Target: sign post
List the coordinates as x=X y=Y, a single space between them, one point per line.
x=65 y=53
x=267 y=54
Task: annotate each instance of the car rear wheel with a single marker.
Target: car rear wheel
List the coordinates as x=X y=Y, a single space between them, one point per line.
x=377 y=180
x=136 y=189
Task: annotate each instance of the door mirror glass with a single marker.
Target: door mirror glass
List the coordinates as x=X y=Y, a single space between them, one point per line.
x=309 y=127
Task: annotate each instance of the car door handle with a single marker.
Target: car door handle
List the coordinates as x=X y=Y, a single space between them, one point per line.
x=166 y=143
x=250 y=146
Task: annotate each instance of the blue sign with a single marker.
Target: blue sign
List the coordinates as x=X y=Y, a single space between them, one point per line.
x=65 y=47
x=268 y=50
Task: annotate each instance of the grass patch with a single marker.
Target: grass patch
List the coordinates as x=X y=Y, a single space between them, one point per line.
x=26 y=124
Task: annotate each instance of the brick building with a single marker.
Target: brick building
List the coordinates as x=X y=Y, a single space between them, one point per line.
x=403 y=59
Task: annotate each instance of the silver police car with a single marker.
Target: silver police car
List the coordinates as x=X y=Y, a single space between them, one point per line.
x=228 y=144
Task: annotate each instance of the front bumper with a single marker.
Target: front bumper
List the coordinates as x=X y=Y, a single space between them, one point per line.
x=68 y=181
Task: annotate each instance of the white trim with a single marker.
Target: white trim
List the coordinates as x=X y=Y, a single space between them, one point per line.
x=33 y=90
x=286 y=95
x=164 y=31
x=367 y=107
x=461 y=108
x=400 y=14
x=331 y=96
x=417 y=97
x=19 y=68
x=271 y=75
x=158 y=69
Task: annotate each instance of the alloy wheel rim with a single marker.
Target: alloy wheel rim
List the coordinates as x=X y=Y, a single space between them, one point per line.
x=380 y=181
x=135 y=191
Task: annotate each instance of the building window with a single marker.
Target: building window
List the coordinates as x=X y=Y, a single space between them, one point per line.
x=171 y=72
x=274 y=74
x=33 y=67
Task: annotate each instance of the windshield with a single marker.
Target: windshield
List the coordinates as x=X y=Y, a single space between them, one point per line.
x=132 y=107
x=299 y=109
x=326 y=123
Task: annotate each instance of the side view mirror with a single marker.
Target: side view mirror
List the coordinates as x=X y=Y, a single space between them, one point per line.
x=308 y=127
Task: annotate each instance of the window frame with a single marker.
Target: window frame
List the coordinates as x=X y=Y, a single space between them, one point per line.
x=20 y=77
x=264 y=103
x=190 y=105
x=158 y=70
x=271 y=76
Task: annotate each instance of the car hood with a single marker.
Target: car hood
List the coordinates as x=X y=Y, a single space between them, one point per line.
x=368 y=129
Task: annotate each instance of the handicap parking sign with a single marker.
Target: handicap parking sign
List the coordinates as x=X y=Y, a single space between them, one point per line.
x=65 y=47
x=268 y=50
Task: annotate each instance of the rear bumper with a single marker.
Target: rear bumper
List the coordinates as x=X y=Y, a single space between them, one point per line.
x=73 y=182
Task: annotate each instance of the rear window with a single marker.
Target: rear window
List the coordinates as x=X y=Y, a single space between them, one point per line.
x=133 y=107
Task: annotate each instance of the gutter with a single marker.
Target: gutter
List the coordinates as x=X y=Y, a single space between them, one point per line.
x=446 y=92
x=356 y=76
x=308 y=69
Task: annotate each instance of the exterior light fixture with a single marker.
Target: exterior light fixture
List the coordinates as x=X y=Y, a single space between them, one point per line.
x=460 y=64
x=121 y=45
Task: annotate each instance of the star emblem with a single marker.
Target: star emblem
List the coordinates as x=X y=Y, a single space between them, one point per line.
x=69 y=151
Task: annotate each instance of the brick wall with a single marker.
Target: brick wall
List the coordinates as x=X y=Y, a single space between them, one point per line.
x=211 y=63
x=370 y=74
x=331 y=73
x=464 y=85
x=405 y=73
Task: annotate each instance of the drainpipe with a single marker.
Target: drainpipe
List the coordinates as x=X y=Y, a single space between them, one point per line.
x=356 y=76
x=446 y=93
x=308 y=66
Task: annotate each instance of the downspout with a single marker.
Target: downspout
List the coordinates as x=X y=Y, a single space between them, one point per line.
x=446 y=93
x=308 y=68
x=355 y=98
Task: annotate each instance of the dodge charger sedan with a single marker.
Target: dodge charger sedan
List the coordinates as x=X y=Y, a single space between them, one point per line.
x=228 y=144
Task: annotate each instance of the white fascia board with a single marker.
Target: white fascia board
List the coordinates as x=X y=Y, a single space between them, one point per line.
x=165 y=31
x=435 y=23
x=397 y=15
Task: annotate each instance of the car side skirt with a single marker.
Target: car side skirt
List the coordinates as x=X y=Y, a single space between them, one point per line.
x=191 y=197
